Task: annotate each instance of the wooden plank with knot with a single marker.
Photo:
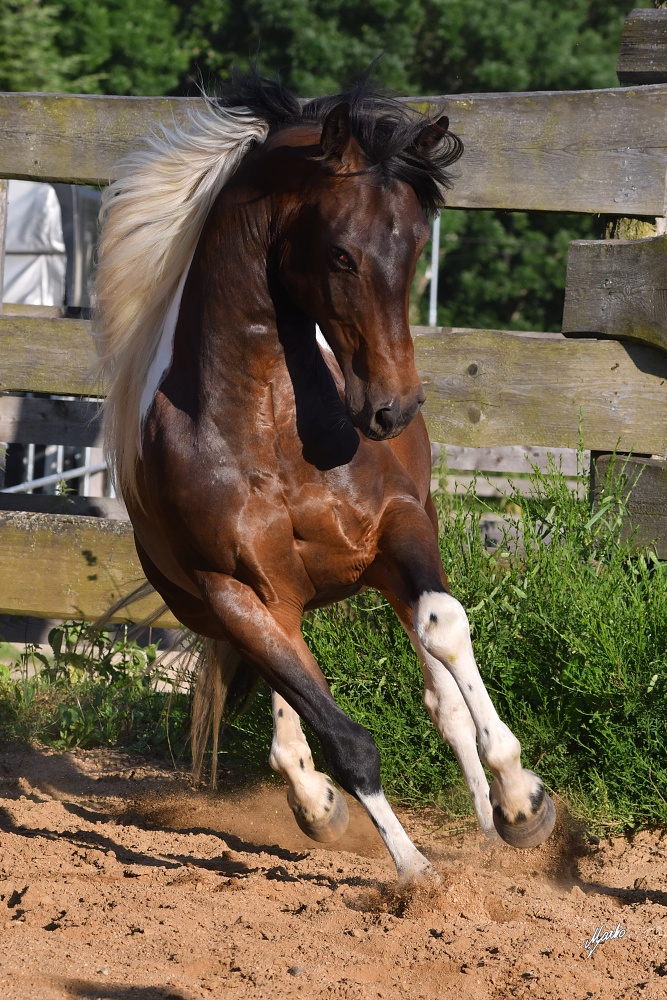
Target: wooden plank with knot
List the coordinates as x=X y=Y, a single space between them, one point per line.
x=494 y=387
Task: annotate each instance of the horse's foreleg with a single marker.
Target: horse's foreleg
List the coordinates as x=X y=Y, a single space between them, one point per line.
x=272 y=641
x=451 y=717
x=523 y=813
x=319 y=808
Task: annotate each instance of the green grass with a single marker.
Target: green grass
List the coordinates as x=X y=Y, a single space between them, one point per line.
x=570 y=634
x=90 y=692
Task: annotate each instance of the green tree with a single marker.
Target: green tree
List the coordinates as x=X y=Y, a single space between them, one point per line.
x=507 y=269
x=29 y=57
x=317 y=46
x=123 y=47
x=466 y=47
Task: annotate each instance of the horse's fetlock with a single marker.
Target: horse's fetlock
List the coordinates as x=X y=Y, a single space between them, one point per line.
x=501 y=752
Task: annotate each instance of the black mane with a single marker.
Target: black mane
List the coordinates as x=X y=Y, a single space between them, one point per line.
x=385 y=128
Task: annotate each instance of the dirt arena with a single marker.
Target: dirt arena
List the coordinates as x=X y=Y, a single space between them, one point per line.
x=118 y=882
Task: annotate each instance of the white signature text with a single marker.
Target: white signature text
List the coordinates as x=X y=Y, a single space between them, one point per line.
x=600 y=935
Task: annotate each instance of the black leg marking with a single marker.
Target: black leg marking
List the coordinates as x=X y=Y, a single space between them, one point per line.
x=378 y=826
x=280 y=713
x=349 y=750
x=433 y=618
x=537 y=798
x=301 y=763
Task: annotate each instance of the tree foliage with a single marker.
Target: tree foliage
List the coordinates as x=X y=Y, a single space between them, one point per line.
x=29 y=57
x=123 y=47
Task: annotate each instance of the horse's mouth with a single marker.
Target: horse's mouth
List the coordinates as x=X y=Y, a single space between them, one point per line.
x=387 y=421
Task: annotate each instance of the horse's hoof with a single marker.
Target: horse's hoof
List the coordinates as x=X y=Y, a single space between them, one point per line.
x=420 y=876
x=329 y=827
x=528 y=831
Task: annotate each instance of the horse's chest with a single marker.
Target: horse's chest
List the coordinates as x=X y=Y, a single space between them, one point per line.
x=333 y=538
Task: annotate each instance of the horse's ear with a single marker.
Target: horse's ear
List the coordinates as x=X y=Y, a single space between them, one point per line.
x=431 y=135
x=336 y=132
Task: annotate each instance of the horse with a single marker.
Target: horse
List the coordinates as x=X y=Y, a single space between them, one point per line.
x=263 y=421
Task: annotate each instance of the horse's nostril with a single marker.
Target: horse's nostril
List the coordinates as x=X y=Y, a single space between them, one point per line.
x=387 y=417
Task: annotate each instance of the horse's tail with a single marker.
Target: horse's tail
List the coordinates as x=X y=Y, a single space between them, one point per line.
x=223 y=681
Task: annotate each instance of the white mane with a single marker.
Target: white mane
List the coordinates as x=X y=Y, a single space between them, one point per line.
x=152 y=216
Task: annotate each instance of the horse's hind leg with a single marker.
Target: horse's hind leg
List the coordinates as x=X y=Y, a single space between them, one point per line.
x=319 y=808
x=410 y=570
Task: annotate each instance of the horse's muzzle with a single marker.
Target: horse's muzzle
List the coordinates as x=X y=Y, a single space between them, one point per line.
x=387 y=421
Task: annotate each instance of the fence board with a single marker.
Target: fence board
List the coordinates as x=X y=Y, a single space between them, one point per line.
x=50 y=421
x=62 y=566
x=490 y=387
x=485 y=388
x=50 y=503
x=644 y=489
x=511 y=459
x=580 y=151
x=643 y=55
x=46 y=355
x=619 y=288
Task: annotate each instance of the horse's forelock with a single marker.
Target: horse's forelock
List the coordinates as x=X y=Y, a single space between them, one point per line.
x=387 y=129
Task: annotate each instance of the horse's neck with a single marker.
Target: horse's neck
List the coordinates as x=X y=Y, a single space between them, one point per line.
x=240 y=334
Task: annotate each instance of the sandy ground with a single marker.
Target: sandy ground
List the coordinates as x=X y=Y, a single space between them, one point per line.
x=119 y=882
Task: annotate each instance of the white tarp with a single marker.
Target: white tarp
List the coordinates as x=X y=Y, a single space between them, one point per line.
x=35 y=261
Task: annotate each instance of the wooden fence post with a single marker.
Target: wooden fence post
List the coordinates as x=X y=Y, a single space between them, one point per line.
x=618 y=287
x=3 y=229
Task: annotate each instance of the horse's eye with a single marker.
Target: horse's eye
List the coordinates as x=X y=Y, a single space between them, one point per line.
x=343 y=259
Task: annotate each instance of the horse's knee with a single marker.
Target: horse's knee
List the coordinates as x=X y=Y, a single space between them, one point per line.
x=442 y=626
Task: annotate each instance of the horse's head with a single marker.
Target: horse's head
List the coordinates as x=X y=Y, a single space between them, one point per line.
x=350 y=253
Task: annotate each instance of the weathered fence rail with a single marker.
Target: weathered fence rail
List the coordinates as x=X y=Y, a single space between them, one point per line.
x=599 y=151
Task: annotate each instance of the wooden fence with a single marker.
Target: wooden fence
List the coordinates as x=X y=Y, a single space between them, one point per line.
x=601 y=152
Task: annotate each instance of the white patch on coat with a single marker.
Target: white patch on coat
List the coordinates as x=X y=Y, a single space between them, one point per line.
x=161 y=362
x=319 y=336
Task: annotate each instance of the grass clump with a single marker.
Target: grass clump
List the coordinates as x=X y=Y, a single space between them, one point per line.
x=570 y=632
x=91 y=691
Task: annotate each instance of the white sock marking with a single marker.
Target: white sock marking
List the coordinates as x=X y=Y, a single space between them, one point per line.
x=442 y=627
x=410 y=864
x=291 y=757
